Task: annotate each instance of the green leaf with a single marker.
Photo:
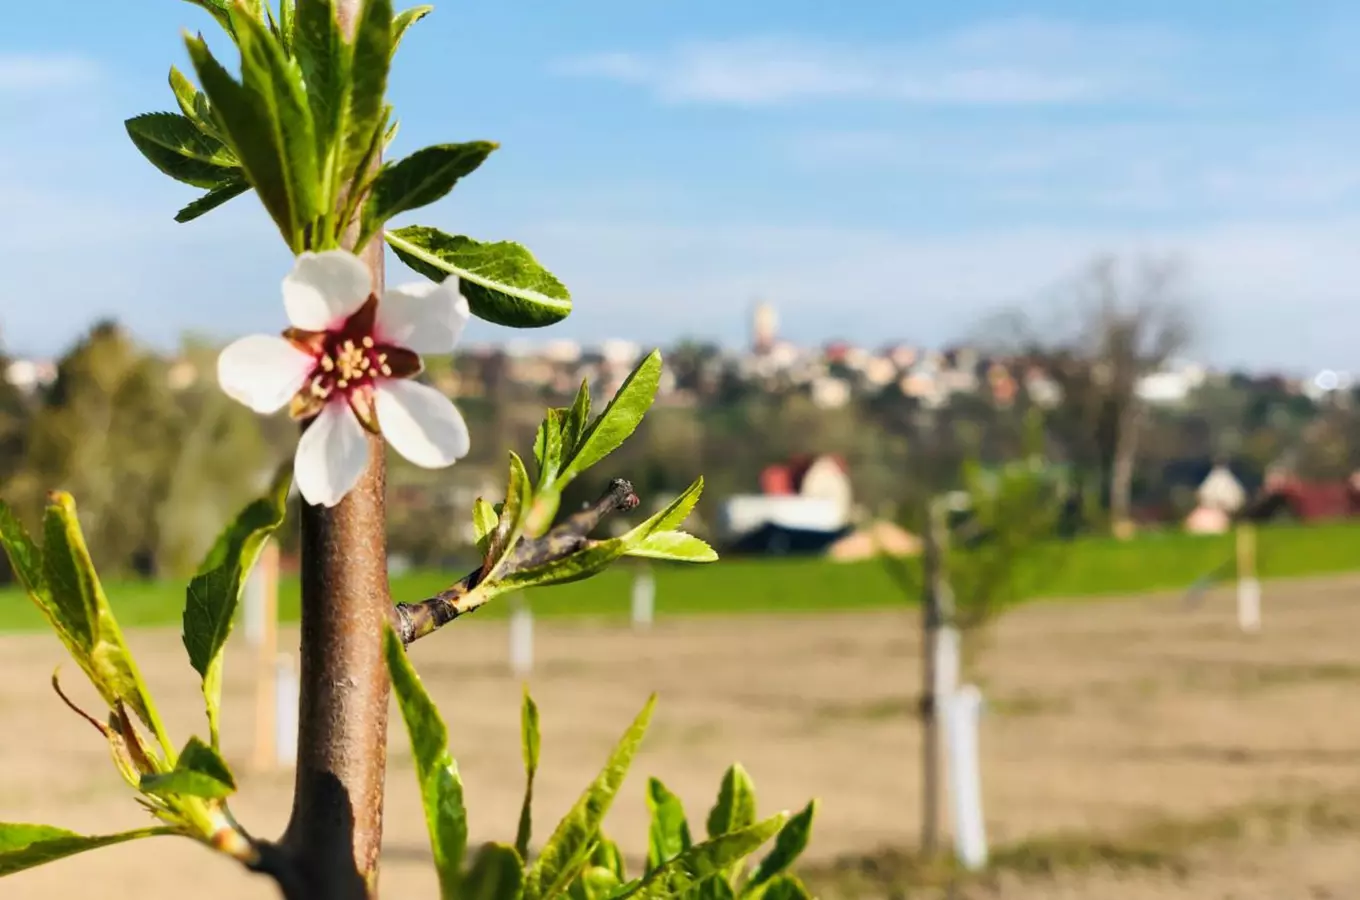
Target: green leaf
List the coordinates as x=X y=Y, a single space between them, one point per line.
x=607 y=855
x=785 y=887
x=502 y=282
x=675 y=513
x=580 y=565
x=619 y=419
x=548 y=455
x=228 y=190
x=714 y=887
x=736 y=805
x=441 y=790
x=577 y=421
x=594 y=883
x=25 y=558
x=372 y=55
x=404 y=20
x=567 y=849
x=419 y=180
x=174 y=145
x=220 y=9
x=98 y=644
x=788 y=846
x=530 y=742
x=215 y=592
x=703 y=861
x=276 y=82
x=512 y=511
x=674 y=545
x=27 y=846
x=324 y=56
x=247 y=121
x=192 y=102
x=199 y=772
x=668 y=835
x=484 y=522
x=287 y=25
x=496 y=874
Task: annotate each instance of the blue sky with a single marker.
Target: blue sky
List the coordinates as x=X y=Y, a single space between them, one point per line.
x=890 y=170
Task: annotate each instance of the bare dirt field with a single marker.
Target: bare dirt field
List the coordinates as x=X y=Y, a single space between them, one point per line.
x=1133 y=748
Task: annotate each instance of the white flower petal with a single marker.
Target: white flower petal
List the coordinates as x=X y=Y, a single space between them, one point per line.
x=421 y=424
x=262 y=371
x=423 y=316
x=325 y=288
x=331 y=455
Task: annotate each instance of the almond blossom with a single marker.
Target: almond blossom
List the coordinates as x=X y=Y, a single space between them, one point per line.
x=345 y=367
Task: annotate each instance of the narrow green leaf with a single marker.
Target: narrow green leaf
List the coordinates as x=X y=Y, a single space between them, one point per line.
x=174 y=145
x=714 y=887
x=27 y=846
x=372 y=55
x=484 y=522
x=530 y=741
x=594 y=883
x=703 y=861
x=580 y=565
x=404 y=20
x=567 y=849
x=441 y=790
x=736 y=805
x=288 y=25
x=419 y=180
x=496 y=874
x=576 y=421
x=192 y=102
x=247 y=121
x=788 y=846
x=674 y=515
x=220 y=9
x=668 y=835
x=276 y=81
x=75 y=589
x=548 y=447
x=25 y=558
x=215 y=592
x=785 y=887
x=518 y=491
x=219 y=195
x=676 y=546
x=199 y=772
x=502 y=282
x=607 y=855
x=324 y=56
x=618 y=420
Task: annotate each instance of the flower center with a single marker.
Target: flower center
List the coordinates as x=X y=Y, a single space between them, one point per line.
x=346 y=364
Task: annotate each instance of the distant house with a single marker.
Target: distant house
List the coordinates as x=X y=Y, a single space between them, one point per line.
x=804 y=506
x=1286 y=496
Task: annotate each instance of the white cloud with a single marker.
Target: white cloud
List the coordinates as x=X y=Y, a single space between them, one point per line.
x=26 y=73
x=1011 y=62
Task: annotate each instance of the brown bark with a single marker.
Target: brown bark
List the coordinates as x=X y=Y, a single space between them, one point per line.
x=335 y=832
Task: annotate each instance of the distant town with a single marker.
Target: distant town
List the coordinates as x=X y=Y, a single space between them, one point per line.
x=832 y=374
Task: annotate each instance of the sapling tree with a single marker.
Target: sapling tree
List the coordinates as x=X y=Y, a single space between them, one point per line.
x=304 y=126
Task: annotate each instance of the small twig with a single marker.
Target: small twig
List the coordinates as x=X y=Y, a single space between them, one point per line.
x=424 y=617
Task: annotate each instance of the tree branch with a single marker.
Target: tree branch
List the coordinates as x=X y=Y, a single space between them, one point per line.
x=424 y=617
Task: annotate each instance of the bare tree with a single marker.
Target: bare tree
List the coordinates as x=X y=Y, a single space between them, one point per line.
x=1120 y=323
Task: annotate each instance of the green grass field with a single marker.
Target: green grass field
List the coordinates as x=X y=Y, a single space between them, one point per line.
x=1092 y=567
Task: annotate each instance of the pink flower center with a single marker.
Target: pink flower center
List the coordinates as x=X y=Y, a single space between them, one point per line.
x=346 y=365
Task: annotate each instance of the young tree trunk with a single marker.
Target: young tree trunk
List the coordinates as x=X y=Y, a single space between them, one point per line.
x=1121 y=470
x=335 y=832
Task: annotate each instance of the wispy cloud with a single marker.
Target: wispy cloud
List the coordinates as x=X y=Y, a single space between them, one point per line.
x=22 y=73
x=1012 y=62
